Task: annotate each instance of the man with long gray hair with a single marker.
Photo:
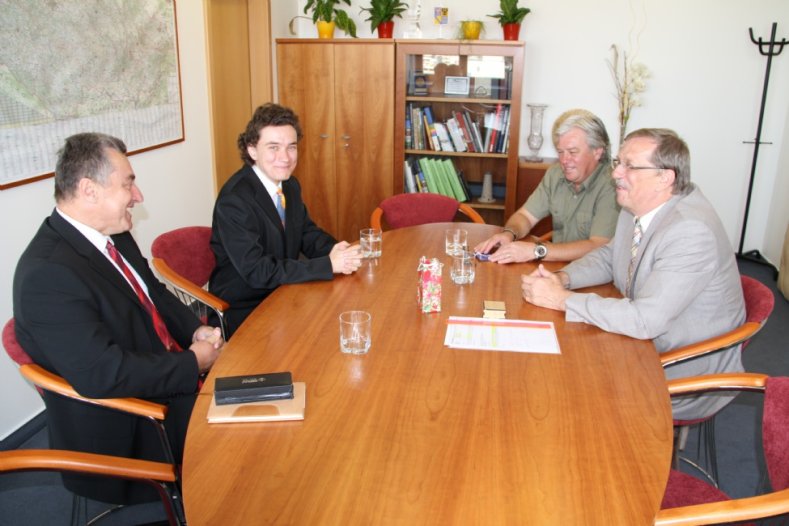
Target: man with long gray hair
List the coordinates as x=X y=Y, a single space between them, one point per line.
x=577 y=192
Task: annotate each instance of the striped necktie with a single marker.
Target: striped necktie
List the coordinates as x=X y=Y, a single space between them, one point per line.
x=637 y=234
x=281 y=205
x=158 y=323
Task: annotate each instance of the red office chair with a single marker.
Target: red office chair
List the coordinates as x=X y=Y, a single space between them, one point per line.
x=44 y=380
x=183 y=258
x=759 y=303
x=14 y=350
x=159 y=475
x=689 y=500
x=404 y=210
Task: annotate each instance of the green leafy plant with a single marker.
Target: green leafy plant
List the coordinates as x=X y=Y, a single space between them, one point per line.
x=383 y=11
x=327 y=11
x=510 y=12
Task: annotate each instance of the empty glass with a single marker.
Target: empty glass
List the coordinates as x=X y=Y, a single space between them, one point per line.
x=355 y=331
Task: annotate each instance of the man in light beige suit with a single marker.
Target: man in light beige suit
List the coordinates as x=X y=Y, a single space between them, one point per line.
x=678 y=275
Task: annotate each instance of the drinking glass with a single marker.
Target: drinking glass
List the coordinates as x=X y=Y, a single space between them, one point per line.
x=455 y=241
x=355 y=331
x=370 y=242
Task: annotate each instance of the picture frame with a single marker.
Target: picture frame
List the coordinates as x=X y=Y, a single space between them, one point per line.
x=130 y=88
x=457 y=85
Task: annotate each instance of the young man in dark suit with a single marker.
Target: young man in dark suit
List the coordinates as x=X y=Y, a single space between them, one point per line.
x=261 y=226
x=88 y=308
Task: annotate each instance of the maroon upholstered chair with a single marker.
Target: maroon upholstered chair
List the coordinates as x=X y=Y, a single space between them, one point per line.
x=183 y=258
x=404 y=210
x=76 y=462
x=689 y=500
x=14 y=350
x=759 y=303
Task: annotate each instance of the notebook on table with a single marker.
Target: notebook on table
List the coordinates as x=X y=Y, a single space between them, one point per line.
x=266 y=411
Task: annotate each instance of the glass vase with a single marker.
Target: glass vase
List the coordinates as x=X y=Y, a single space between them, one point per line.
x=534 y=140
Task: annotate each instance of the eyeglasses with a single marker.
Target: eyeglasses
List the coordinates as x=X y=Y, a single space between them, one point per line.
x=630 y=168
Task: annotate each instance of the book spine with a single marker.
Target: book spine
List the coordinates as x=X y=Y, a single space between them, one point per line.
x=456 y=135
x=429 y=123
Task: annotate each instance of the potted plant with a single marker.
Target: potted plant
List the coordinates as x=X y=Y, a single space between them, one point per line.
x=470 y=29
x=510 y=18
x=382 y=13
x=326 y=15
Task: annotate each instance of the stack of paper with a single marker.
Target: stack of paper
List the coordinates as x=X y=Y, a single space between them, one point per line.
x=501 y=335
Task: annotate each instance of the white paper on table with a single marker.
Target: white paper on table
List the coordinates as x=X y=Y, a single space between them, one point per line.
x=501 y=335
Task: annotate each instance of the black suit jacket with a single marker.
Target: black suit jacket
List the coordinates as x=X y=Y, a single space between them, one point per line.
x=254 y=254
x=76 y=316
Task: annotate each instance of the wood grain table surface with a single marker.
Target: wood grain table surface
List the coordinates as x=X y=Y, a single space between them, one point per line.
x=417 y=433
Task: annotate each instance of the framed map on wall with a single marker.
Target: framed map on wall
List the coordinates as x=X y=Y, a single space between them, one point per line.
x=71 y=66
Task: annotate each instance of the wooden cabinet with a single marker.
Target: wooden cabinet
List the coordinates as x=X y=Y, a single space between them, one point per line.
x=343 y=92
x=477 y=79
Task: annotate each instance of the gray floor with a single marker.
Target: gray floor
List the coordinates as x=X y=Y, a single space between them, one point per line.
x=39 y=498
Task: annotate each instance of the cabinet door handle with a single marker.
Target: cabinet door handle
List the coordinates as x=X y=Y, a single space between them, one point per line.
x=324 y=135
x=346 y=137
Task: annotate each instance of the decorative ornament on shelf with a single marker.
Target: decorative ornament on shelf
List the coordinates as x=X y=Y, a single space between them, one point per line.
x=470 y=29
x=535 y=131
x=327 y=11
x=487 y=189
x=413 y=29
x=382 y=13
x=510 y=17
x=630 y=81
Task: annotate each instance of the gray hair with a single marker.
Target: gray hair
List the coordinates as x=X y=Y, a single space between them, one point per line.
x=84 y=155
x=588 y=122
x=671 y=153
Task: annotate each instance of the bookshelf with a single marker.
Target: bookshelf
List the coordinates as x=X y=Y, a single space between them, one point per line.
x=456 y=84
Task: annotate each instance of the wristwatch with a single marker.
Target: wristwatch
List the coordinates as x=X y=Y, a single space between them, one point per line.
x=540 y=251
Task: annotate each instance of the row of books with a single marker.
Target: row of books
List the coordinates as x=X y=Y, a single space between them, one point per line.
x=438 y=176
x=459 y=133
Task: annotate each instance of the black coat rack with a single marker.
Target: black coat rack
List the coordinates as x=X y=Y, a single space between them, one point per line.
x=769 y=49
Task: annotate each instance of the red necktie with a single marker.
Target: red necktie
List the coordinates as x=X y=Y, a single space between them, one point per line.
x=158 y=323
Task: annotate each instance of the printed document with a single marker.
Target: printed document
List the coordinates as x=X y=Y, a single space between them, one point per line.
x=501 y=335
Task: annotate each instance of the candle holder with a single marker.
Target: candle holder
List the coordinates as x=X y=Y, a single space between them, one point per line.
x=535 y=131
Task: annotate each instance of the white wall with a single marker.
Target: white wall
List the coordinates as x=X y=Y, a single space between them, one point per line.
x=176 y=181
x=706 y=84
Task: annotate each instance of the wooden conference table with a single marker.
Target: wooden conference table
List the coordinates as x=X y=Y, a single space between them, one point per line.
x=417 y=433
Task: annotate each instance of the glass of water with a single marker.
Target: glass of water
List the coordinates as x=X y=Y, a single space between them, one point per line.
x=370 y=242
x=456 y=241
x=355 y=332
x=463 y=268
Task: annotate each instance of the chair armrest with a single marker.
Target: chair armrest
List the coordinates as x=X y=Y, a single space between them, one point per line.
x=750 y=508
x=78 y=462
x=187 y=286
x=52 y=382
x=472 y=214
x=375 y=218
x=717 y=382
x=733 y=337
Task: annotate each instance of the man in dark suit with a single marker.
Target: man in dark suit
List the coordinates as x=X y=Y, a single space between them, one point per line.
x=261 y=226
x=108 y=326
